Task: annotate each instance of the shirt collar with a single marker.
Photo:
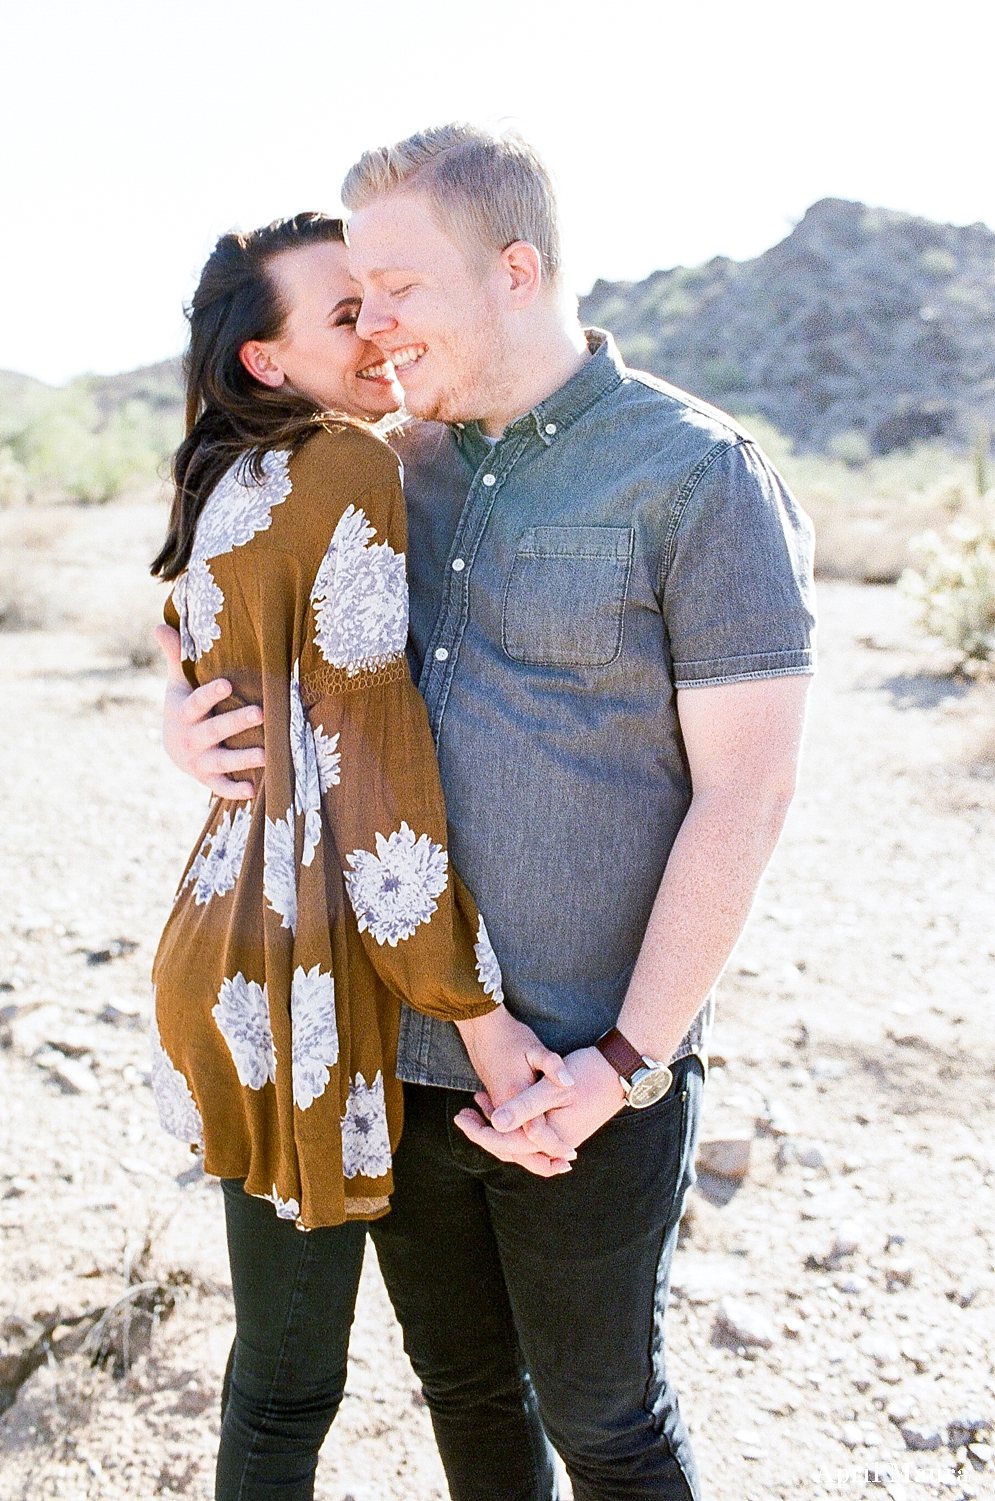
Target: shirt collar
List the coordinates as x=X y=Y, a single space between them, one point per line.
x=600 y=374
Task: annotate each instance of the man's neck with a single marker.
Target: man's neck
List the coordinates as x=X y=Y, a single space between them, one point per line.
x=552 y=355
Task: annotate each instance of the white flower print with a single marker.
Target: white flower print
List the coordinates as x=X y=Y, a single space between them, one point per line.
x=307 y=782
x=360 y=598
x=316 y=1038
x=238 y=507
x=242 y=1015
x=279 y=875
x=329 y=758
x=286 y=1209
x=365 y=1139
x=396 y=889
x=488 y=969
x=178 y=1113
x=219 y=859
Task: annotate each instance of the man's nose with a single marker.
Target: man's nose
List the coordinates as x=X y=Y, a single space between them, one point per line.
x=374 y=319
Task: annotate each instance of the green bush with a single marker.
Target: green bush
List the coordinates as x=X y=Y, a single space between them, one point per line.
x=955 y=586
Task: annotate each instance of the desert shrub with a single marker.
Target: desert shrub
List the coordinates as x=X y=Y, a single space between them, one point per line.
x=65 y=444
x=868 y=511
x=955 y=586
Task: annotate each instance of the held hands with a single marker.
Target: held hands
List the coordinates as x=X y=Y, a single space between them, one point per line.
x=194 y=738
x=545 y=1118
x=508 y=1056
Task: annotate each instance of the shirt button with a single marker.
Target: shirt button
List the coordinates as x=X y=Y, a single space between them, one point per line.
x=458 y=565
x=441 y=655
x=551 y=428
x=490 y=479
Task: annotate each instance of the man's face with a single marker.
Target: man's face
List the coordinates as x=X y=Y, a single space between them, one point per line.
x=432 y=308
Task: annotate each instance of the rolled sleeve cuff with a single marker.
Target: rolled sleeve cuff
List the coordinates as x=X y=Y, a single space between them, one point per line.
x=773 y=664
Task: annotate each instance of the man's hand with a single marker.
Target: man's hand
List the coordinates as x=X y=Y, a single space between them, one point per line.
x=574 y=1114
x=194 y=737
x=508 y=1056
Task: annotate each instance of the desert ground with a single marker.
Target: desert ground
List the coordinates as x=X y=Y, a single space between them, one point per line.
x=832 y=1327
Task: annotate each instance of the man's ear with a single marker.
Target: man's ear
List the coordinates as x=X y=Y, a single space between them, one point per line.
x=260 y=364
x=523 y=267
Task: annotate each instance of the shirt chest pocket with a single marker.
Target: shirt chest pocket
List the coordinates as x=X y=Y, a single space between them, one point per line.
x=565 y=598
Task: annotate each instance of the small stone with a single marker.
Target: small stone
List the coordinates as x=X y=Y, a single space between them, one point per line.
x=917 y=1356
x=728 y=1157
x=792 y=1326
x=787 y=1153
x=883 y=1349
x=891 y=1375
x=966 y=1427
x=921 y=1436
x=901 y=1409
x=742 y=1325
x=851 y=1435
x=964 y=1294
x=981 y=1452
x=862 y=1383
x=776 y=1120
x=810 y=1156
x=851 y=1283
x=71 y=1076
x=846 y=1241
x=828 y=1068
x=899 y=1273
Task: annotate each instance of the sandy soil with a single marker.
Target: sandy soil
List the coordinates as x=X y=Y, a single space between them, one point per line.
x=853 y=1051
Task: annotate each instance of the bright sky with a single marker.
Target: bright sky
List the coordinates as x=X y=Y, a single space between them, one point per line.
x=135 y=131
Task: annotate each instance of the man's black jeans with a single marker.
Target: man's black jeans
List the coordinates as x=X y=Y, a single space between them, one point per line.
x=494 y=1273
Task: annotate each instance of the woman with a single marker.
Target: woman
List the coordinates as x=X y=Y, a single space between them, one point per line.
x=306 y=914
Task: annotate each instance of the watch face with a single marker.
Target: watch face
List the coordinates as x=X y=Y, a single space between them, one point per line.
x=649 y=1085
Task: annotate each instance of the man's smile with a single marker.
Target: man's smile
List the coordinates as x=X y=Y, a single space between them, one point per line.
x=409 y=355
x=382 y=371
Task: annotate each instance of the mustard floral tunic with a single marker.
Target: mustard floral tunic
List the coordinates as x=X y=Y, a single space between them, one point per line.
x=305 y=916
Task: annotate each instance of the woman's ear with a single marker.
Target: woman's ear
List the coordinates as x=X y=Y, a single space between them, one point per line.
x=260 y=364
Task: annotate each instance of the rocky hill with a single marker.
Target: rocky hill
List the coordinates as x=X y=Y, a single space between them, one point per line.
x=864 y=327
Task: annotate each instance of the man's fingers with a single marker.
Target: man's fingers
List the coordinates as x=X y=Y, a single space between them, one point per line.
x=232 y=792
x=198 y=704
x=509 y=1149
x=545 y=1061
x=529 y=1105
x=169 y=645
x=547 y=1139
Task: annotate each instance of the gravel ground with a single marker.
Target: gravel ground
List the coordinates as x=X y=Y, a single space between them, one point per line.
x=833 y=1320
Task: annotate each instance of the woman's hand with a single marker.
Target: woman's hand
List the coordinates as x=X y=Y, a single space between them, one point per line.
x=509 y=1058
x=194 y=737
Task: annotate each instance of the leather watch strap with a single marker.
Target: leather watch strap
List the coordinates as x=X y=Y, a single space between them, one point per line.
x=620 y=1054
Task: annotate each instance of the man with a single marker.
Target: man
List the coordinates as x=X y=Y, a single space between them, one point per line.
x=611 y=626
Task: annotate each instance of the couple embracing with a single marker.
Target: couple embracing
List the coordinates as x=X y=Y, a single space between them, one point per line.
x=610 y=629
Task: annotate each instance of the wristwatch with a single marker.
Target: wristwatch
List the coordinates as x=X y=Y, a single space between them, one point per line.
x=643 y=1080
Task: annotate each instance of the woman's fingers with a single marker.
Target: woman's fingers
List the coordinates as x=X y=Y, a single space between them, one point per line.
x=544 y=1136
x=505 y=1148
x=169 y=645
x=229 y=791
x=199 y=702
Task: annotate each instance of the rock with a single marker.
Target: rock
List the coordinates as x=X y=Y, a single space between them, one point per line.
x=964 y=1294
x=920 y=1358
x=862 y=1382
x=72 y=1076
x=901 y=1409
x=776 y=1120
x=846 y=1240
x=828 y=1068
x=704 y=1279
x=981 y=1452
x=787 y=1153
x=966 y=1427
x=792 y=1326
x=740 y=1324
x=891 y=1375
x=810 y=1156
x=899 y=1273
x=851 y=1435
x=882 y=1348
x=852 y=1284
x=922 y=1436
x=725 y=1157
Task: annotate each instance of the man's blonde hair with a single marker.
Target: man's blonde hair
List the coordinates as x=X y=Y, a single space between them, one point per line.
x=491 y=189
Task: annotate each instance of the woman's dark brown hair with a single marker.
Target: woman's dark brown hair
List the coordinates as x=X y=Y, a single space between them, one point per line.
x=228 y=413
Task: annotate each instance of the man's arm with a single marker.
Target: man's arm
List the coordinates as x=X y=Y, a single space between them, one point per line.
x=743 y=742
x=194 y=736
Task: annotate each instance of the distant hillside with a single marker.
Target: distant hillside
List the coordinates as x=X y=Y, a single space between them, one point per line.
x=864 y=322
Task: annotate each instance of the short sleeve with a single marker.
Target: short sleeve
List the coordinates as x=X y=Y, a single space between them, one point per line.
x=738 y=595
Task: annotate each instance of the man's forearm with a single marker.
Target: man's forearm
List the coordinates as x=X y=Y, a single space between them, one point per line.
x=700 y=910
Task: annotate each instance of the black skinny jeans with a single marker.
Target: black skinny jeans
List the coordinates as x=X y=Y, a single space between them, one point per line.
x=529 y=1307
x=494 y=1273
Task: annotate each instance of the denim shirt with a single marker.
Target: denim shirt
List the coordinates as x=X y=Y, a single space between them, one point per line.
x=620 y=542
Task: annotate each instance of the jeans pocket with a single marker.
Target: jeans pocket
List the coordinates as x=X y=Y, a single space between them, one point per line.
x=565 y=599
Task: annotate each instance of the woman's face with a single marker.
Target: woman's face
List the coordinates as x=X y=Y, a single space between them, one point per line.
x=319 y=353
